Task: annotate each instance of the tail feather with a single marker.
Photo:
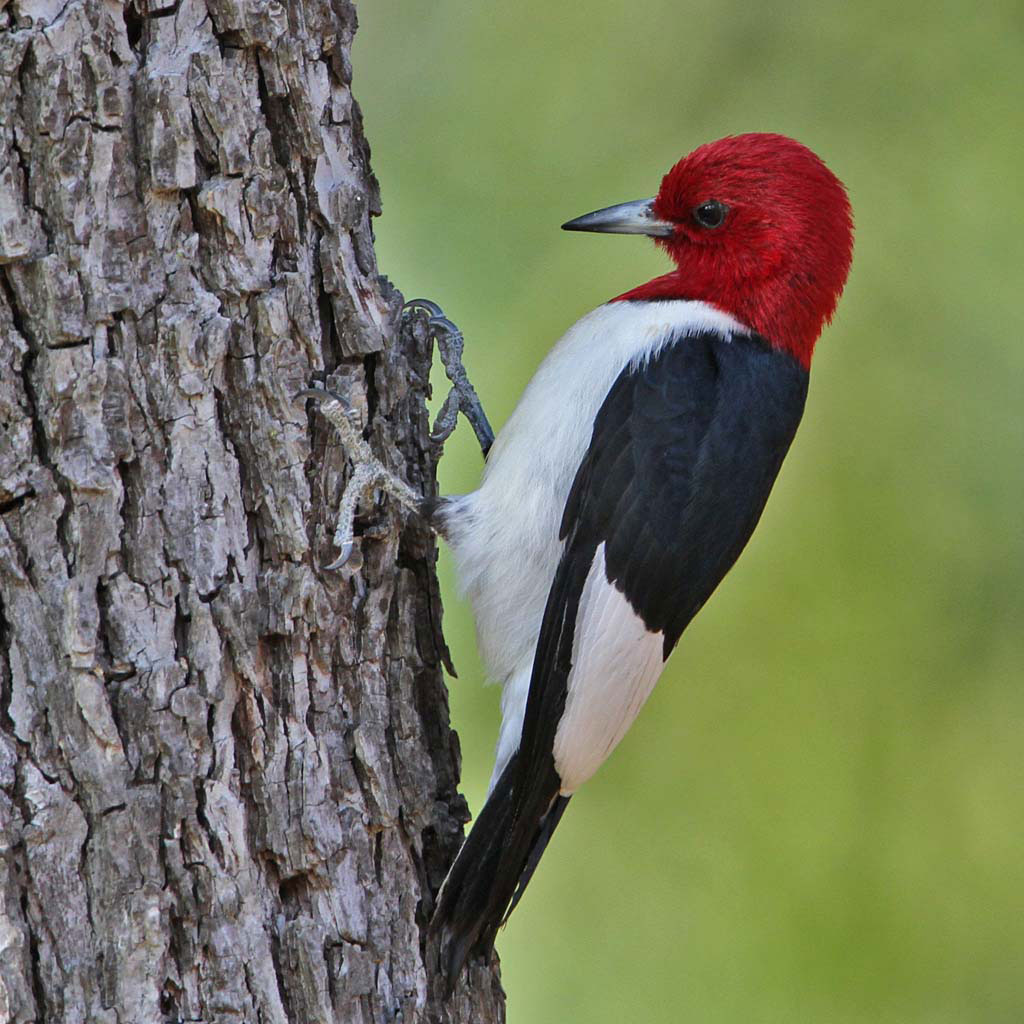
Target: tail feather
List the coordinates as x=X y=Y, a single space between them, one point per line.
x=548 y=824
x=494 y=866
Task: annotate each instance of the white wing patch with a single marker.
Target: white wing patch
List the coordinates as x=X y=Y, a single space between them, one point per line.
x=513 y=711
x=615 y=664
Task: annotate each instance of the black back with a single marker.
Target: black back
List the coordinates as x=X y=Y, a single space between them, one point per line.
x=684 y=454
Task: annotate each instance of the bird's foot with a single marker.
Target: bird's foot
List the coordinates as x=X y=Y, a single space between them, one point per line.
x=368 y=472
x=462 y=397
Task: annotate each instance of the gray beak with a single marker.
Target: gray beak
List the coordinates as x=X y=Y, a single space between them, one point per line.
x=636 y=218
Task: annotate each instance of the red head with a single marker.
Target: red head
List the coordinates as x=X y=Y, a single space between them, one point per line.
x=756 y=225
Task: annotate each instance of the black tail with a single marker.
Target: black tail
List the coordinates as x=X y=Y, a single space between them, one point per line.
x=494 y=866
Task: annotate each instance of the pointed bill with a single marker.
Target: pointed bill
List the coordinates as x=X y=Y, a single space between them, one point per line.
x=635 y=218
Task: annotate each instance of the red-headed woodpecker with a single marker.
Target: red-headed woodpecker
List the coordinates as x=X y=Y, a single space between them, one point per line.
x=628 y=480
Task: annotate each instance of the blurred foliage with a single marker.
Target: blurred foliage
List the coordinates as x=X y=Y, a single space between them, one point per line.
x=820 y=814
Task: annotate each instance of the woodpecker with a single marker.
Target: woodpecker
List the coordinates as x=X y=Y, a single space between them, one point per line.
x=626 y=483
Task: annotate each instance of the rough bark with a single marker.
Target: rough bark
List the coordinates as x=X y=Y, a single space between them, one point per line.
x=227 y=780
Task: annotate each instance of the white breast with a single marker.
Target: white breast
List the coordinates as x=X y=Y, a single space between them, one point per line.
x=505 y=534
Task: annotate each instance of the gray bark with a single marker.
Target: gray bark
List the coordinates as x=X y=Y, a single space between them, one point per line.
x=227 y=780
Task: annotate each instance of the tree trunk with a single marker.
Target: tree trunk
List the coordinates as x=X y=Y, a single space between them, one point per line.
x=227 y=780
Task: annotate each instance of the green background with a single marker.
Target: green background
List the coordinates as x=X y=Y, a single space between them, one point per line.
x=818 y=817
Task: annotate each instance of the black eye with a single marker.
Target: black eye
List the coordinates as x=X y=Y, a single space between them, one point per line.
x=710 y=214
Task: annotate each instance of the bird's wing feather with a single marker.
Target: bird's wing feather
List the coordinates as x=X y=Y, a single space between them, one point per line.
x=683 y=454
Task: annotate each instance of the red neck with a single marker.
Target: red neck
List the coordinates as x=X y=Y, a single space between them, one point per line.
x=769 y=309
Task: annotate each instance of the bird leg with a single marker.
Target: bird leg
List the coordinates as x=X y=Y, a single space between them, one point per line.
x=369 y=472
x=462 y=397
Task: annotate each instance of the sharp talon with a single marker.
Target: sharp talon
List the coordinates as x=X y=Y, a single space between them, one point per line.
x=319 y=395
x=431 y=307
x=343 y=557
x=345 y=420
x=443 y=321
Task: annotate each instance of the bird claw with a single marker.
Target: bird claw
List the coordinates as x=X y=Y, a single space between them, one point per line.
x=368 y=471
x=343 y=557
x=462 y=396
x=431 y=307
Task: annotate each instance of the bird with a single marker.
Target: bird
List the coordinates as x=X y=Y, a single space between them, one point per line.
x=626 y=483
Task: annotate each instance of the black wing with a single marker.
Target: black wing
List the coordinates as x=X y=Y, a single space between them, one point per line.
x=684 y=453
